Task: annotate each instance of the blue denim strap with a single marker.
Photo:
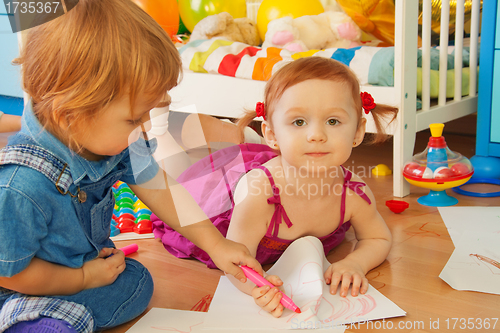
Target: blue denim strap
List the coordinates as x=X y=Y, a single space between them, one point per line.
x=39 y=159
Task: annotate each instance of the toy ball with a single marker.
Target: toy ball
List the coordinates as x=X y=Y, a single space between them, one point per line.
x=193 y=11
x=164 y=12
x=443 y=173
x=418 y=172
x=428 y=174
x=410 y=168
x=460 y=169
x=272 y=9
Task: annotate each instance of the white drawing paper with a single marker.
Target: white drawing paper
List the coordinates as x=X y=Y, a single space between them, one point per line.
x=169 y=320
x=301 y=269
x=475 y=263
x=459 y=220
x=179 y=321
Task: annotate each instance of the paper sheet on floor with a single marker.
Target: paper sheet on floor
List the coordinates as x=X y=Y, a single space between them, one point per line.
x=475 y=262
x=179 y=321
x=301 y=269
x=169 y=320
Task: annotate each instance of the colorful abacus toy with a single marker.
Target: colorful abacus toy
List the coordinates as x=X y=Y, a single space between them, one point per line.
x=130 y=213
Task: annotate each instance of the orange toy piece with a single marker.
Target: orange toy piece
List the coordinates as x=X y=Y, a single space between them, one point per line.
x=375 y=17
x=164 y=12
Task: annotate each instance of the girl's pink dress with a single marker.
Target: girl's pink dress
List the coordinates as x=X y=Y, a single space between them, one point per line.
x=212 y=181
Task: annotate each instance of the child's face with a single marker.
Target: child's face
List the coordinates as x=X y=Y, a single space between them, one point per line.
x=114 y=129
x=315 y=123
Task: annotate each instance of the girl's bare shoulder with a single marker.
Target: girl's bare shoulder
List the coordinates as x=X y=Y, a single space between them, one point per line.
x=254 y=186
x=363 y=188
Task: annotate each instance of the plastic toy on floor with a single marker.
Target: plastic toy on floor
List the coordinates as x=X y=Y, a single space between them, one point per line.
x=397 y=206
x=438 y=168
x=130 y=213
x=381 y=170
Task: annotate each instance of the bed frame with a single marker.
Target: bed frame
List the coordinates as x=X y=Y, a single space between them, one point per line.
x=225 y=96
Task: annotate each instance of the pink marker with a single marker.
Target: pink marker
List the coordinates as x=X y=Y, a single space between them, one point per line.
x=129 y=249
x=261 y=281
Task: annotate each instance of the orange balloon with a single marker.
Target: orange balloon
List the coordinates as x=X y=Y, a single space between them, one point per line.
x=164 y=12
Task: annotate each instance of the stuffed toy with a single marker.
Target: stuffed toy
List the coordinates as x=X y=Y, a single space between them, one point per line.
x=223 y=25
x=313 y=32
x=376 y=17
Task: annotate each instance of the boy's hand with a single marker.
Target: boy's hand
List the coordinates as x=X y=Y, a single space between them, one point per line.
x=228 y=256
x=344 y=273
x=268 y=298
x=103 y=270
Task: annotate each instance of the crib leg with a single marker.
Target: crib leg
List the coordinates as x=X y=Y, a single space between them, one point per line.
x=405 y=83
x=404 y=142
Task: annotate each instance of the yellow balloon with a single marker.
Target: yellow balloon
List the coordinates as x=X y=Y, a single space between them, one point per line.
x=272 y=9
x=193 y=11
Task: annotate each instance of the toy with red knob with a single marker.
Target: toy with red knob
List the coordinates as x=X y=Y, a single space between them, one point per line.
x=437 y=168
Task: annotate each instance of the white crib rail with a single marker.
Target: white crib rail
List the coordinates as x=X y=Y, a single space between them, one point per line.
x=405 y=84
x=426 y=54
x=443 y=51
x=409 y=120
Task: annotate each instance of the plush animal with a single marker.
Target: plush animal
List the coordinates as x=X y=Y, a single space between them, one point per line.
x=376 y=17
x=223 y=25
x=313 y=32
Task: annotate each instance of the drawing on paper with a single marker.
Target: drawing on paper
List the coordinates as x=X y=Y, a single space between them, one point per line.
x=493 y=265
x=203 y=304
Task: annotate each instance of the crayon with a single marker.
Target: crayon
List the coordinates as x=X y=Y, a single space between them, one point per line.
x=261 y=281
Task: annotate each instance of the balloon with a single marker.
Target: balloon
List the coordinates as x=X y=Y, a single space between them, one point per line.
x=164 y=12
x=272 y=9
x=193 y=11
x=376 y=17
x=436 y=14
x=182 y=28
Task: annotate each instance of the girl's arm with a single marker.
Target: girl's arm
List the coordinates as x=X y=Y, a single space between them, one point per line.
x=248 y=226
x=44 y=278
x=248 y=221
x=372 y=248
x=177 y=208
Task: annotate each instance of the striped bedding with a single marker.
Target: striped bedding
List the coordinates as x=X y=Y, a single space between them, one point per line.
x=373 y=65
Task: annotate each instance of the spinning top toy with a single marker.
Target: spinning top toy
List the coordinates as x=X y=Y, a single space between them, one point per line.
x=438 y=168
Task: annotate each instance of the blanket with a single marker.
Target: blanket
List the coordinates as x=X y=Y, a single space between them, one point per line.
x=372 y=65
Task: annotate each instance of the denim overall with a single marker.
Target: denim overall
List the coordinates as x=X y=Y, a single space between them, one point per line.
x=57 y=206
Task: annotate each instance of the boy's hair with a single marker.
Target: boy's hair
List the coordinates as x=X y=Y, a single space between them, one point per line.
x=320 y=68
x=74 y=66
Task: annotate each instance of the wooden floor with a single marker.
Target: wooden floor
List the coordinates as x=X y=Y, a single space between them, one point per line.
x=409 y=276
